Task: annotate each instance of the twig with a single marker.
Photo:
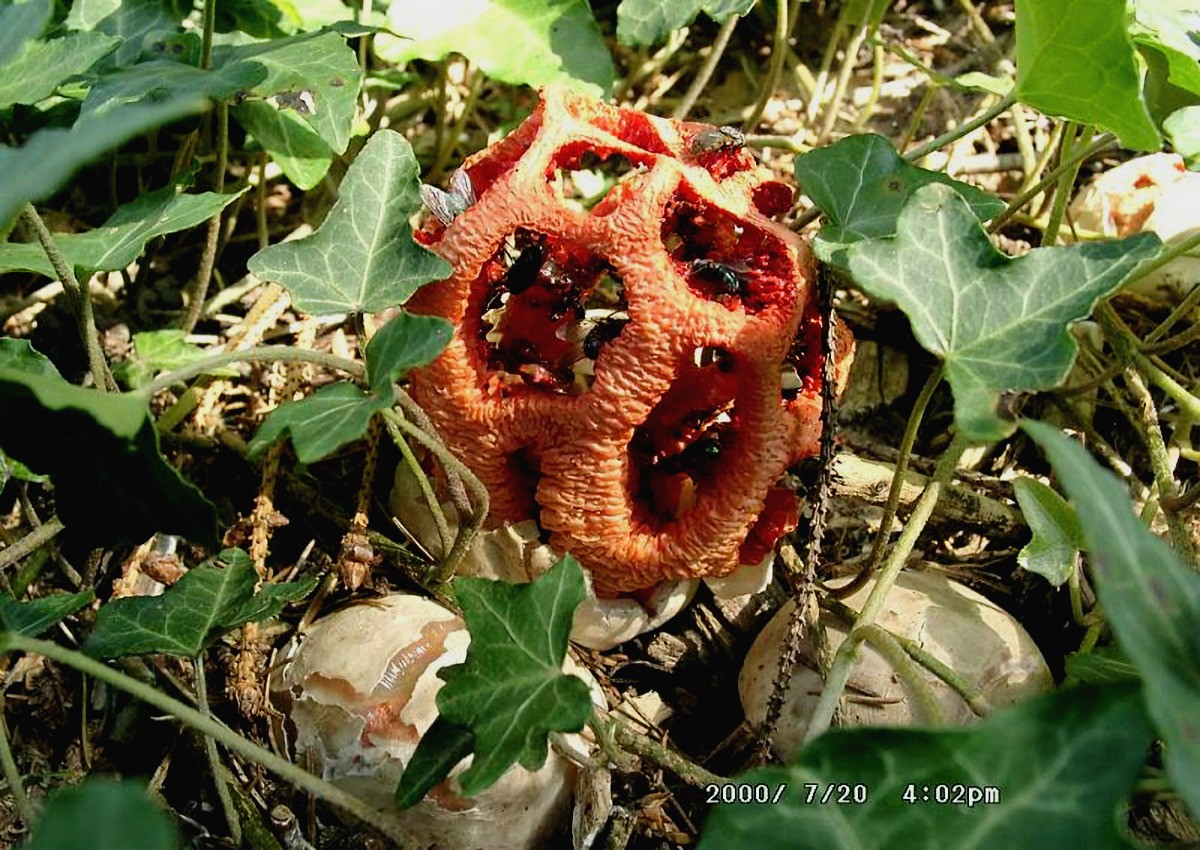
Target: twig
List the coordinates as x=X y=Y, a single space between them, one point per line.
x=261 y=354
x=1099 y=144
x=640 y=745
x=779 y=51
x=1001 y=106
x=715 y=52
x=208 y=256
x=12 y=775
x=31 y=542
x=214 y=759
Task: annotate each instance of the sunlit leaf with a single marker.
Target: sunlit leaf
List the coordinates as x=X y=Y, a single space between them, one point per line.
x=20 y=22
x=510 y=693
x=363 y=257
x=999 y=324
x=1056 y=536
x=530 y=42
x=161 y=351
x=320 y=424
x=1075 y=59
x=42 y=66
x=130 y=20
x=404 y=343
x=646 y=22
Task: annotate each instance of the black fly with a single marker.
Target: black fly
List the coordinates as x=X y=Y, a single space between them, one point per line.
x=605 y=330
x=725 y=279
x=523 y=272
x=717 y=139
x=448 y=206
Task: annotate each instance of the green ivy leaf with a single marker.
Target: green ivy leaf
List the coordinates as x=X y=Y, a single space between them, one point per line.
x=510 y=693
x=1061 y=763
x=103 y=814
x=49 y=158
x=111 y=484
x=257 y=18
x=320 y=64
x=13 y=469
x=1150 y=597
x=130 y=20
x=363 y=257
x=1075 y=60
x=404 y=343
x=443 y=745
x=1102 y=665
x=42 y=66
x=162 y=351
x=20 y=354
x=1057 y=538
x=20 y=22
x=35 y=616
x=119 y=241
x=524 y=42
x=165 y=80
x=320 y=424
x=300 y=153
x=862 y=184
x=1172 y=30
x=193 y=612
x=647 y=22
x=998 y=323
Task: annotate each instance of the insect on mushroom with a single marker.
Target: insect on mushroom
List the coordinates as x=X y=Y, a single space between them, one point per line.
x=605 y=330
x=725 y=279
x=717 y=139
x=448 y=206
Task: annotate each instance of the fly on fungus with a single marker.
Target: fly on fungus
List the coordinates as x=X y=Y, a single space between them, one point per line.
x=661 y=459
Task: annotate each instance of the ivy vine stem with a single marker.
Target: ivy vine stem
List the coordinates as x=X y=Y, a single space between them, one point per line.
x=12 y=775
x=843 y=662
x=261 y=354
x=214 y=758
x=207 y=725
x=1098 y=144
x=783 y=29
x=31 y=542
x=81 y=298
x=715 y=51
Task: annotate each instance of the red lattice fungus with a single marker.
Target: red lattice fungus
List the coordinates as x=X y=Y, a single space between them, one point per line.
x=616 y=367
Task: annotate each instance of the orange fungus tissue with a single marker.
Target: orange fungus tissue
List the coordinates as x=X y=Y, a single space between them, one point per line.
x=634 y=368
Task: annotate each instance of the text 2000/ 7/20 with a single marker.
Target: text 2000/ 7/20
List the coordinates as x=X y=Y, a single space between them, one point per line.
x=813 y=792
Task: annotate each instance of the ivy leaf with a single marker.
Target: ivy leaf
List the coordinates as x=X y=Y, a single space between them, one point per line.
x=49 y=158
x=20 y=354
x=443 y=745
x=998 y=323
x=510 y=693
x=118 y=242
x=862 y=184
x=1150 y=597
x=130 y=20
x=20 y=22
x=1060 y=764
x=111 y=484
x=161 y=351
x=363 y=257
x=319 y=64
x=42 y=66
x=193 y=612
x=647 y=22
x=103 y=814
x=524 y=42
x=1075 y=60
x=404 y=343
x=320 y=424
x=35 y=616
x=164 y=80
x=1101 y=665
x=1172 y=30
x=1057 y=538
x=299 y=152
x=1183 y=129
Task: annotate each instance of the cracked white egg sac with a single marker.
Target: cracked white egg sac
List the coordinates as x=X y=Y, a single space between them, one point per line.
x=359 y=688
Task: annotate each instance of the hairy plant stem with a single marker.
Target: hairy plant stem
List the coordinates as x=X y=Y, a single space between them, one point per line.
x=664 y=756
x=467 y=529
x=431 y=499
x=1066 y=181
x=31 y=542
x=715 y=51
x=779 y=49
x=970 y=693
x=208 y=256
x=906 y=668
x=80 y=296
x=1078 y=156
x=206 y=36
x=260 y=354
x=843 y=662
x=208 y=725
x=417 y=415
x=12 y=775
x=1189 y=301
x=892 y=505
x=219 y=774
x=1124 y=343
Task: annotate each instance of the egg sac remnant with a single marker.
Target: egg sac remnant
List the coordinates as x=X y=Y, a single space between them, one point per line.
x=636 y=371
